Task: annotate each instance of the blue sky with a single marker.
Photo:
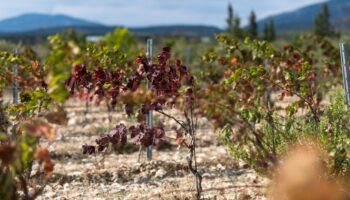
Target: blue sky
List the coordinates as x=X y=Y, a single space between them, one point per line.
x=151 y=12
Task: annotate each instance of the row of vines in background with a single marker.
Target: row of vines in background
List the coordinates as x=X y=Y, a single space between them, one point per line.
x=28 y=127
x=274 y=97
x=25 y=164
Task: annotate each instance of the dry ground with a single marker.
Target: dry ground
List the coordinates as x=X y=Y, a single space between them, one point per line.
x=115 y=175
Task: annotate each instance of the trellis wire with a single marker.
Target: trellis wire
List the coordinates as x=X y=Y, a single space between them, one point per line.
x=345 y=70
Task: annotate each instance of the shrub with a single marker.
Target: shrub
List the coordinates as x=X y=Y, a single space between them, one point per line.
x=332 y=134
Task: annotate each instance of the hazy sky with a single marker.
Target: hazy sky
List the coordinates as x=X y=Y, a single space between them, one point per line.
x=151 y=12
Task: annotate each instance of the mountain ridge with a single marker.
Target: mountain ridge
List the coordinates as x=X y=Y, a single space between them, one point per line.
x=34 y=21
x=37 y=24
x=302 y=19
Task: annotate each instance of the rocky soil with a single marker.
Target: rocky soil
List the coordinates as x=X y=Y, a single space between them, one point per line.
x=116 y=175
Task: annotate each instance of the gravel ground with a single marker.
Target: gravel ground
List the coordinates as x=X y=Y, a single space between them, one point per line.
x=114 y=175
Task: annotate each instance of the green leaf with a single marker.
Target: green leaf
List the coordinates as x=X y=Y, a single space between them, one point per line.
x=235 y=77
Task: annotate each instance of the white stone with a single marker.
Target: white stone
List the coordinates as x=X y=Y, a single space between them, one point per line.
x=220 y=166
x=161 y=173
x=66 y=187
x=50 y=194
x=72 y=121
x=206 y=175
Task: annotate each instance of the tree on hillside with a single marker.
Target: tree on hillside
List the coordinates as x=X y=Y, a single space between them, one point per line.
x=230 y=19
x=234 y=24
x=269 y=31
x=322 y=25
x=272 y=30
x=253 y=26
x=72 y=35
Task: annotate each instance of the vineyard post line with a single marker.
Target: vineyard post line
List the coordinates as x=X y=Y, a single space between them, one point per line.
x=345 y=70
x=14 y=84
x=188 y=58
x=149 y=86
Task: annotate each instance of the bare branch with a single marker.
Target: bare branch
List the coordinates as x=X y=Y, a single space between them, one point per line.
x=181 y=123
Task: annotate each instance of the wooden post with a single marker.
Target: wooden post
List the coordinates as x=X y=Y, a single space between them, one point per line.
x=345 y=70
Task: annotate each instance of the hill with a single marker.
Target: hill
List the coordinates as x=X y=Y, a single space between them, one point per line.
x=31 y=22
x=303 y=19
x=42 y=25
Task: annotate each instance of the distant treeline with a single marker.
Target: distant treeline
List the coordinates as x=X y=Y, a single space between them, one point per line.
x=155 y=31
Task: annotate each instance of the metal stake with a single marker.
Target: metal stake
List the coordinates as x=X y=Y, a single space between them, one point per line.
x=345 y=69
x=149 y=85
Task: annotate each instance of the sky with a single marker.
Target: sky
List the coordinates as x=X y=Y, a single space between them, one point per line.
x=136 y=13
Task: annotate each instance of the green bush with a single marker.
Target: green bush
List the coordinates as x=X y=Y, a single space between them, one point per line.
x=279 y=133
